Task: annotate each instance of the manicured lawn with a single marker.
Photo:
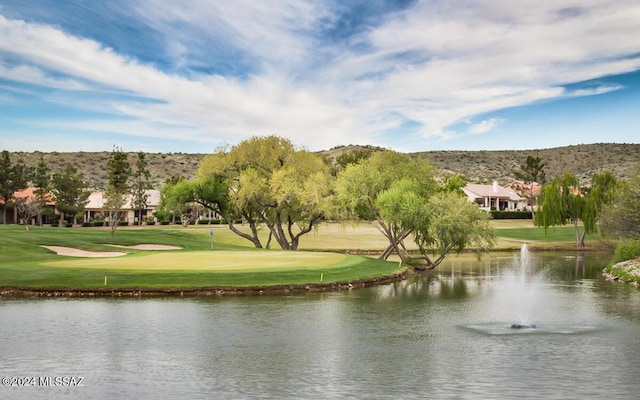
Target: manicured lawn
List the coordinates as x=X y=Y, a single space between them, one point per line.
x=554 y=234
x=23 y=263
x=231 y=262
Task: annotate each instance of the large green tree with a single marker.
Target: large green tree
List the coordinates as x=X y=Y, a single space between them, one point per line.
x=118 y=189
x=13 y=178
x=70 y=192
x=440 y=223
x=266 y=182
x=403 y=181
x=563 y=201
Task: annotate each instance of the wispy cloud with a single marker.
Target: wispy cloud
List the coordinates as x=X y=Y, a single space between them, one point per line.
x=229 y=70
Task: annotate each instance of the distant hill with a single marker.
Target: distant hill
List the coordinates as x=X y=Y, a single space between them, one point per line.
x=485 y=166
x=581 y=160
x=162 y=166
x=477 y=166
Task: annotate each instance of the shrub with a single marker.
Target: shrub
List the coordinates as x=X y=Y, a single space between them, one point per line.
x=88 y=224
x=165 y=222
x=204 y=221
x=627 y=250
x=123 y=223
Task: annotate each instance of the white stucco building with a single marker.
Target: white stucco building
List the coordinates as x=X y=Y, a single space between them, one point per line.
x=494 y=197
x=96 y=206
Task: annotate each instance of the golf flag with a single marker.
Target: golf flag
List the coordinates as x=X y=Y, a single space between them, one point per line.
x=211 y=233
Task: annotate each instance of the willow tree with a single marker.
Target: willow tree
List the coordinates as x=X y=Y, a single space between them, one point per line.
x=266 y=182
x=359 y=187
x=563 y=201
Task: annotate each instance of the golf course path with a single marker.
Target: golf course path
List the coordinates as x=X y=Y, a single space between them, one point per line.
x=71 y=252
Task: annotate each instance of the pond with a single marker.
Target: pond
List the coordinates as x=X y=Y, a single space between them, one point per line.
x=442 y=335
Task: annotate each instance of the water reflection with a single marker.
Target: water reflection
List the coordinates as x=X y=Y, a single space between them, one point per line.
x=436 y=336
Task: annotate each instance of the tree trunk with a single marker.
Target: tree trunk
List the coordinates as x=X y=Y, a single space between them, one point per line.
x=253 y=239
x=579 y=237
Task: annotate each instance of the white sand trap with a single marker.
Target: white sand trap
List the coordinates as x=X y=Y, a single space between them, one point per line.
x=148 y=247
x=71 y=252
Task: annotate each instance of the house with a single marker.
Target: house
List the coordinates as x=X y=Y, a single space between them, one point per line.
x=29 y=195
x=95 y=207
x=494 y=197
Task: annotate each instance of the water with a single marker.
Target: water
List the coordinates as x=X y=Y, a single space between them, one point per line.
x=443 y=335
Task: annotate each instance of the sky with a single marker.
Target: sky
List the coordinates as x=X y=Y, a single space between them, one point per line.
x=194 y=75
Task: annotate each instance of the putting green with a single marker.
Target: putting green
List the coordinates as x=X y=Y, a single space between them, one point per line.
x=222 y=261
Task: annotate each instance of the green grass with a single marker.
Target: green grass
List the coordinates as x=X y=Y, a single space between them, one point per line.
x=23 y=263
x=232 y=262
x=555 y=234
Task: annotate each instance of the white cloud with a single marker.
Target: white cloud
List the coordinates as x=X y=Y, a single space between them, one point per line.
x=436 y=63
x=484 y=126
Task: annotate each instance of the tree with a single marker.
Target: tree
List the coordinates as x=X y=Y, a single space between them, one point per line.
x=403 y=180
x=42 y=182
x=448 y=222
x=439 y=224
x=531 y=172
x=563 y=200
x=353 y=157
x=13 y=178
x=300 y=198
x=622 y=217
x=118 y=173
x=454 y=184
x=28 y=208
x=265 y=181
x=141 y=184
x=69 y=190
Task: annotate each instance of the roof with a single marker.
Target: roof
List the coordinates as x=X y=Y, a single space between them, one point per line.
x=493 y=191
x=29 y=193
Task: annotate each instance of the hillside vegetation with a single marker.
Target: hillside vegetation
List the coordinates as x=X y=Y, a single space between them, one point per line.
x=477 y=166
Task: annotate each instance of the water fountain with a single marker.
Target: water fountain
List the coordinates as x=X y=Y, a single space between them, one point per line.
x=523 y=290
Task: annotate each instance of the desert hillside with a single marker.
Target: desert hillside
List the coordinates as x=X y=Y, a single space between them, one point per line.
x=477 y=166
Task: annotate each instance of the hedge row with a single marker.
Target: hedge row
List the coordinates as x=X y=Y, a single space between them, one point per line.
x=511 y=215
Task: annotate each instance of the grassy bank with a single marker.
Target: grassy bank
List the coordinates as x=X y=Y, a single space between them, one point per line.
x=227 y=261
x=625 y=266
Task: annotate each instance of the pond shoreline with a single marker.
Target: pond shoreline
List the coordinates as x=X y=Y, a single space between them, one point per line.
x=22 y=292
x=621 y=272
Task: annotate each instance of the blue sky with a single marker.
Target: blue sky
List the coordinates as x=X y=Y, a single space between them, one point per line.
x=193 y=75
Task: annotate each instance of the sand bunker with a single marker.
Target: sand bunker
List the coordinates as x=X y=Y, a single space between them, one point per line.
x=148 y=247
x=71 y=252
